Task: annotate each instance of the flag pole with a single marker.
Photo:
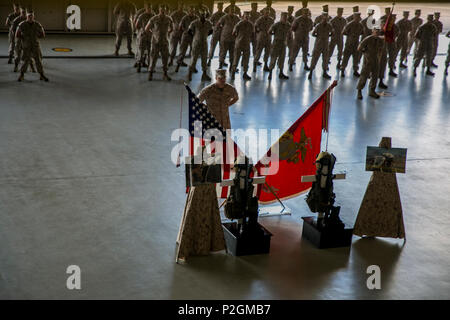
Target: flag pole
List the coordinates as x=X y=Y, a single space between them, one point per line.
x=329 y=90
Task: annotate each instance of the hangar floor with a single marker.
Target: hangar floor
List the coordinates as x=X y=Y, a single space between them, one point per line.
x=86 y=179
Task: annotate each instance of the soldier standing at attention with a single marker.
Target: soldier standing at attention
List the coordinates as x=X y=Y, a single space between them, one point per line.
x=338 y=23
x=425 y=35
x=215 y=38
x=319 y=18
x=301 y=28
x=439 y=26
x=175 y=36
x=233 y=8
x=124 y=11
x=145 y=37
x=354 y=30
x=304 y=7
x=186 y=38
x=18 y=42
x=278 y=50
x=227 y=41
x=384 y=54
x=290 y=37
x=254 y=15
x=243 y=32
x=371 y=47
x=322 y=32
x=447 y=61
x=269 y=8
x=416 y=22
x=11 y=36
x=29 y=32
x=201 y=29
x=355 y=10
x=263 y=40
x=405 y=27
x=160 y=26
x=219 y=97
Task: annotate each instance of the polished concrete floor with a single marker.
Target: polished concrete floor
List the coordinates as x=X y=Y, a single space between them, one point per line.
x=86 y=179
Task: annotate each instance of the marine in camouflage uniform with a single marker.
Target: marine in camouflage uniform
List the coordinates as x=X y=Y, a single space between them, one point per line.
x=124 y=12
x=11 y=36
x=175 y=36
x=201 y=29
x=319 y=18
x=215 y=38
x=201 y=9
x=186 y=38
x=322 y=32
x=416 y=22
x=439 y=27
x=263 y=40
x=304 y=7
x=233 y=8
x=18 y=43
x=29 y=32
x=268 y=7
x=243 y=32
x=160 y=26
x=355 y=10
x=405 y=27
x=219 y=97
x=290 y=37
x=447 y=61
x=384 y=52
x=134 y=20
x=354 y=30
x=392 y=48
x=227 y=41
x=145 y=38
x=301 y=27
x=280 y=31
x=338 y=23
x=425 y=35
x=254 y=15
x=371 y=47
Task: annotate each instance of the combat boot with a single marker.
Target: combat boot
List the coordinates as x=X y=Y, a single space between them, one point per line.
x=382 y=85
x=150 y=76
x=392 y=73
x=43 y=77
x=360 y=96
x=259 y=63
x=16 y=67
x=446 y=71
x=373 y=94
x=338 y=64
x=246 y=76
x=130 y=53
x=270 y=75
x=183 y=64
x=166 y=76
x=429 y=73
x=195 y=70
x=291 y=68
x=232 y=74
x=170 y=62
x=266 y=68
x=138 y=68
x=254 y=67
x=33 y=69
x=415 y=72
x=282 y=76
x=342 y=73
x=310 y=75
x=225 y=64
x=209 y=63
x=116 y=53
x=177 y=68
x=307 y=68
x=326 y=76
x=434 y=65
x=205 y=77
x=220 y=65
x=356 y=74
x=403 y=66
x=21 y=77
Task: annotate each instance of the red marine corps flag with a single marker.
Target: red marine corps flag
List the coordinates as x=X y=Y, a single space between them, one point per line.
x=388 y=28
x=298 y=148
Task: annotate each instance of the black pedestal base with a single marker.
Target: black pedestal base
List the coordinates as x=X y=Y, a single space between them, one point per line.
x=238 y=245
x=326 y=237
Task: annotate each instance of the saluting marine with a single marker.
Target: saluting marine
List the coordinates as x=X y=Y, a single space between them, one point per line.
x=278 y=50
x=263 y=40
x=201 y=29
x=243 y=31
x=338 y=23
x=354 y=30
x=160 y=26
x=124 y=12
x=11 y=36
x=322 y=32
x=301 y=27
x=371 y=47
x=215 y=38
x=29 y=32
x=405 y=27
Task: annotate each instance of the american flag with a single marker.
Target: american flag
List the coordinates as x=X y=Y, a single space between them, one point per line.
x=200 y=112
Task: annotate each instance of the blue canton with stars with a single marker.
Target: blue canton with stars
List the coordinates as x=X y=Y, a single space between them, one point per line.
x=199 y=112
